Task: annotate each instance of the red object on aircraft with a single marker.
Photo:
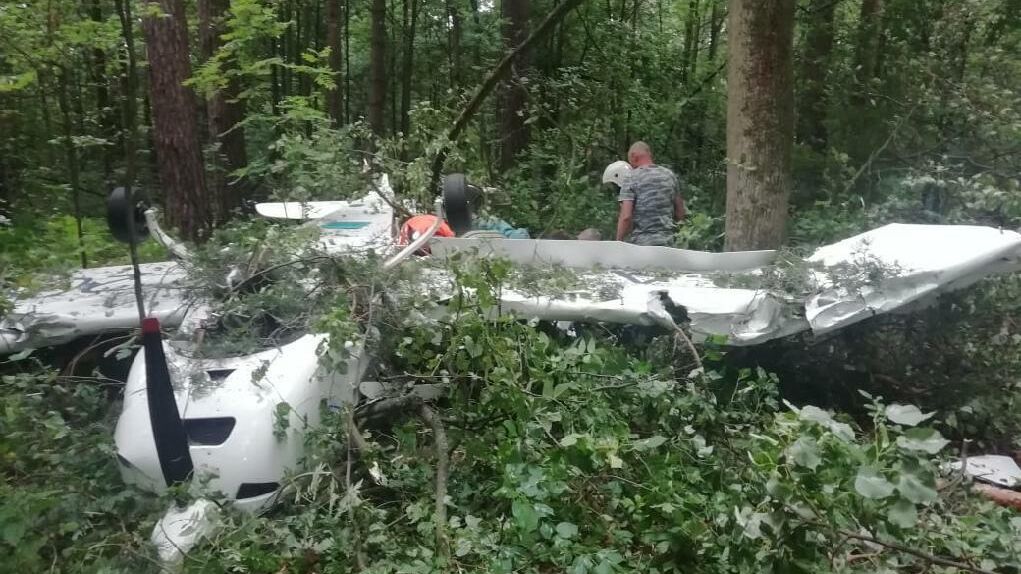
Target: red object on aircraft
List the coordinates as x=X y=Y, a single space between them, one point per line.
x=420 y=224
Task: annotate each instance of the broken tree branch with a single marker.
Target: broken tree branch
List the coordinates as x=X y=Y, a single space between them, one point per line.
x=373 y=412
x=442 y=464
x=931 y=558
x=875 y=154
x=354 y=435
x=691 y=346
x=356 y=531
x=489 y=84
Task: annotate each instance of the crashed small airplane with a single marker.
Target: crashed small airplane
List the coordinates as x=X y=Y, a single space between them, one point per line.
x=210 y=421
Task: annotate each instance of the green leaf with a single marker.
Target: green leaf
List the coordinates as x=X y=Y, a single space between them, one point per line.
x=903 y=514
x=907 y=415
x=871 y=484
x=567 y=530
x=922 y=439
x=815 y=414
x=524 y=515
x=805 y=452
x=570 y=439
x=912 y=489
x=648 y=443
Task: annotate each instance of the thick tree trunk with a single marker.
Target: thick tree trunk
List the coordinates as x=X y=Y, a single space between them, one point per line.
x=760 y=122
x=377 y=68
x=334 y=96
x=224 y=113
x=514 y=132
x=410 y=21
x=814 y=68
x=175 y=132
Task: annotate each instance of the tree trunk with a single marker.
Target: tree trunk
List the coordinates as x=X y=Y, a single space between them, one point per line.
x=691 y=29
x=454 y=43
x=392 y=63
x=377 y=68
x=410 y=20
x=73 y=169
x=869 y=31
x=514 y=131
x=105 y=112
x=715 y=27
x=224 y=113
x=347 y=62
x=334 y=96
x=814 y=68
x=760 y=122
x=175 y=132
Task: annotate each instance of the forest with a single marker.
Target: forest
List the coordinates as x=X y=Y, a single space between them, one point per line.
x=791 y=124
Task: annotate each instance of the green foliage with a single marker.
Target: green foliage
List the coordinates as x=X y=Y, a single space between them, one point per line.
x=35 y=246
x=576 y=455
x=63 y=505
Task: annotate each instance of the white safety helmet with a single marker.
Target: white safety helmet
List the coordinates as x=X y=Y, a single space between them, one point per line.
x=614 y=173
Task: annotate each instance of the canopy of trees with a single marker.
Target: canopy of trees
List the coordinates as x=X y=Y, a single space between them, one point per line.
x=233 y=101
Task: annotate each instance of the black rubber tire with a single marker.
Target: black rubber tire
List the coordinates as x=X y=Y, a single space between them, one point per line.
x=457 y=204
x=119 y=211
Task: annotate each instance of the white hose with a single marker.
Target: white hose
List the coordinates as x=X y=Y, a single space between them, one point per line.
x=419 y=241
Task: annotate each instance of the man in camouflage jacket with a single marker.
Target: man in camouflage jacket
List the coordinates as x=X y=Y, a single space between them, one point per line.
x=650 y=200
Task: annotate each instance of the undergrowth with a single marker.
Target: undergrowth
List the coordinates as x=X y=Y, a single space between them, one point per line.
x=582 y=455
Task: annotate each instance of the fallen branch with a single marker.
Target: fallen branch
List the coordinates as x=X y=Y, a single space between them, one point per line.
x=931 y=558
x=356 y=531
x=490 y=83
x=385 y=408
x=881 y=149
x=442 y=464
x=354 y=435
x=691 y=346
x=1001 y=496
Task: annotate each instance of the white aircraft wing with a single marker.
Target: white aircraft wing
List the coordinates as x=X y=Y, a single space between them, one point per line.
x=894 y=268
x=90 y=302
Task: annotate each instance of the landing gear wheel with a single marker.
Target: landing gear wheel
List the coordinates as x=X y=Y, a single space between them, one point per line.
x=460 y=200
x=119 y=214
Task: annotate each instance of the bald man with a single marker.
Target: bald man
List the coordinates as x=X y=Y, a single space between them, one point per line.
x=650 y=200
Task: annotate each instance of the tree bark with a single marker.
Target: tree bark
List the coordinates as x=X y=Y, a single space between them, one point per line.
x=347 y=62
x=224 y=112
x=869 y=32
x=105 y=112
x=760 y=122
x=691 y=29
x=173 y=108
x=334 y=96
x=377 y=68
x=514 y=130
x=814 y=68
x=454 y=43
x=410 y=21
x=73 y=168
